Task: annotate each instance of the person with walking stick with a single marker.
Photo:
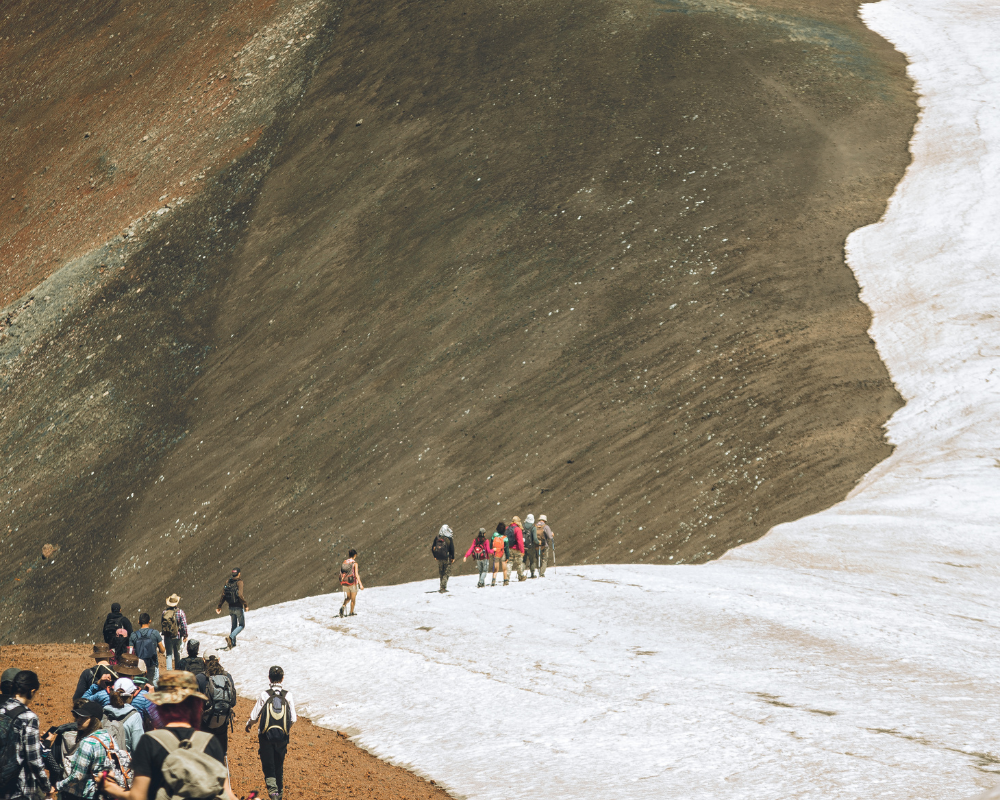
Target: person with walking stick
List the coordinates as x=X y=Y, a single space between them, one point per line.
x=546 y=545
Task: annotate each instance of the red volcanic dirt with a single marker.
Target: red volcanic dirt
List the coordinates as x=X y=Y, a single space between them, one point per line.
x=106 y=107
x=321 y=764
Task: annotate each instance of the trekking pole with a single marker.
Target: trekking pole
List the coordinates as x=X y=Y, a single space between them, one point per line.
x=553 y=546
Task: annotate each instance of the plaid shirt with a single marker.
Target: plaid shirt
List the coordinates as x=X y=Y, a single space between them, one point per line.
x=32 y=778
x=182 y=623
x=88 y=759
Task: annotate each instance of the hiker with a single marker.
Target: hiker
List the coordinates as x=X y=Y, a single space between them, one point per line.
x=350 y=581
x=22 y=777
x=132 y=687
x=148 y=644
x=232 y=593
x=96 y=750
x=515 y=538
x=276 y=712
x=98 y=692
x=121 y=718
x=188 y=775
x=480 y=551
x=192 y=664
x=7 y=683
x=217 y=716
x=90 y=676
x=62 y=741
x=530 y=537
x=443 y=549
x=173 y=626
x=546 y=543
x=117 y=629
x=501 y=553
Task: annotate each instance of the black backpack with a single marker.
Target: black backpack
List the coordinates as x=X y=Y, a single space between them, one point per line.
x=111 y=624
x=440 y=548
x=10 y=739
x=193 y=664
x=275 y=719
x=231 y=592
x=530 y=536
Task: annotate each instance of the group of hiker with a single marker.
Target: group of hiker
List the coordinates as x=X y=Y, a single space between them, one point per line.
x=511 y=547
x=137 y=733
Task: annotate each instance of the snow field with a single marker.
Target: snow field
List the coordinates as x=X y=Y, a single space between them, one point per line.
x=849 y=654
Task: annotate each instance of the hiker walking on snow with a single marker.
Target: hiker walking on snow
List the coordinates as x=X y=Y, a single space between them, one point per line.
x=350 y=581
x=232 y=594
x=546 y=543
x=443 y=549
x=173 y=626
x=148 y=645
x=29 y=779
x=117 y=629
x=276 y=712
x=515 y=539
x=481 y=551
x=501 y=553
x=530 y=535
x=190 y=774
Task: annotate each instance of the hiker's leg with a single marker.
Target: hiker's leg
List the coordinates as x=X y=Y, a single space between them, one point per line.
x=482 y=564
x=238 y=622
x=280 y=749
x=442 y=565
x=545 y=562
x=267 y=763
x=354 y=597
x=172 y=645
x=506 y=570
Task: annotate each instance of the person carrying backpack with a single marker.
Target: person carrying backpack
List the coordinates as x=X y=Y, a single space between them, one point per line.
x=96 y=751
x=179 y=760
x=220 y=707
x=173 y=627
x=515 y=538
x=62 y=741
x=102 y=655
x=443 y=549
x=232 y=594
x=193 y=664
x=22 y=767
x=276 y=714
x=546 y=543
x=121 y=718
x=530 y=535
x=501 y=551
x=148 y=644
x=350 y=581
x=116 y=630
x=480 y=551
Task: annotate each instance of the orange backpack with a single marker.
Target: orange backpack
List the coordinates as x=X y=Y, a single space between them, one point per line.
x=498 y=543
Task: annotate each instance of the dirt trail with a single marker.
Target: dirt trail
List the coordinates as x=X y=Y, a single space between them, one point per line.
x=320 y=763
x=574 y=258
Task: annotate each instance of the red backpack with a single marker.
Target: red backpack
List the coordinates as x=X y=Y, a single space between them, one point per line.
x=479 y=550
x=347 y=577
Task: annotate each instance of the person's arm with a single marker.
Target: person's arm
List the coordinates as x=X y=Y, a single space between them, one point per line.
x=33 y=755
x=222 y=599
x=291 y=707
x=82 y=685
x=357 y=576
x=469 y=551
x=127 y=625
x=239 y=592
x=255 y=713
x=451 y=548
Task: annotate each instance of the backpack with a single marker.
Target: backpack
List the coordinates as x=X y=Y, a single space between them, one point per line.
x=168 y=623
x=499 y=543
x=57 y=760
x=116 y=727
x=111 y=627
x=440 y=548
x=119 y=761
x=187 y=770
x=231 y=593
x=145 y=645
x=347 y=573
x=193 y=664
x=275 y=721
x=221 y=699
x=530 y=537
x=10 y=741
x=479 y=550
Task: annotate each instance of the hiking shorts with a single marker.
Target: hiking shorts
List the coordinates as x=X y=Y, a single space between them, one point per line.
x=350 y=591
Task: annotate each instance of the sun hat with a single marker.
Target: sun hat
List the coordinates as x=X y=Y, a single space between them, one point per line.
x=529 y=520
x=482 y=530
x=543 y=518
x=101 y=652
x=90 y=709
x=516 y=520
x=173 y=600
x=126 y=685
x=175 y=686
x=128 y=664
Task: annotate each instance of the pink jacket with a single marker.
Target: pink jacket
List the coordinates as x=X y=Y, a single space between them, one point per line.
x=489 y=550
x=517 y=542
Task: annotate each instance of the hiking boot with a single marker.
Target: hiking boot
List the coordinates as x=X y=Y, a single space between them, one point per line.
x=506 y=582
x=229 y=643
x=352 y=614
x=341 y=611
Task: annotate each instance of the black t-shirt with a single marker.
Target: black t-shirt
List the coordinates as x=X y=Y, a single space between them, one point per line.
x=149 y=755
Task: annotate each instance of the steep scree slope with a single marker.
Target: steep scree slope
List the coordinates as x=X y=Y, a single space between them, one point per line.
x=576 y=258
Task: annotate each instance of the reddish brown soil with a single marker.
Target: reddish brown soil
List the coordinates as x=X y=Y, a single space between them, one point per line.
x=320 y=763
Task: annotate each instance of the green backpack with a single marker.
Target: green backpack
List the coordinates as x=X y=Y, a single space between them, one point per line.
x=187 y=771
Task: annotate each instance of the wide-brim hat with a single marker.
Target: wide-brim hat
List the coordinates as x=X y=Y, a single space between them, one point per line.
x=175 y=686
x=516 y=520
x=173 y=600
x=101 y=652
x=543 y=518
x=128 y=664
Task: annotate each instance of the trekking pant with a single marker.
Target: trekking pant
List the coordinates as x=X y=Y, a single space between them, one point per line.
x=531 y=560
x=222 y=734
x=237 y=621
x=483 y=565
x=272 y=761
x=172 y=644
x=518 y=564
x=544 y=563
x=444 y=572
